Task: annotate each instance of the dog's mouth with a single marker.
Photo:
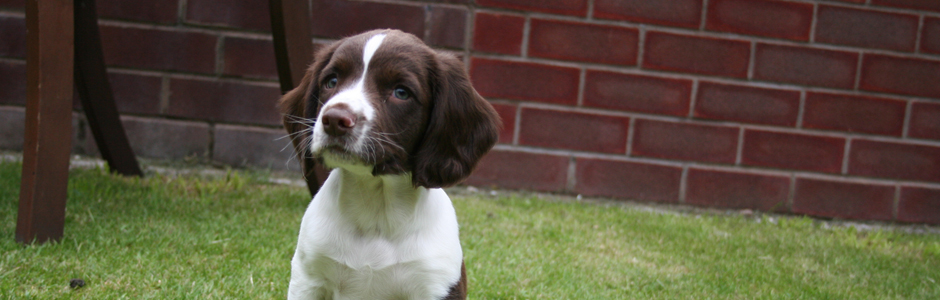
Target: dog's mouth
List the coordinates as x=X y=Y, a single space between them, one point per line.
x=337 y=154
x=365 y=149
x=337 y=150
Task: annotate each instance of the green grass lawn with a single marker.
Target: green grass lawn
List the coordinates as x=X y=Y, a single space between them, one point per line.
x=232 y=237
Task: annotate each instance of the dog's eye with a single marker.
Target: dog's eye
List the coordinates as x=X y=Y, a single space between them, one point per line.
x=402 y=93
x=331 y=82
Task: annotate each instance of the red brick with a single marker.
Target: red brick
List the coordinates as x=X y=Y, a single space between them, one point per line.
x=562 y=7
x=792 y=151
x=224 y=101
x=925 y=120
x=866 y=28
x=519 y=170
x=681 y=13
x=894 y=161
x=337 y=19
x=805 y=66
x=737 y=190
x=579 y=42
x=747 y=104
x=700 y=55
x=507 y=113
x=574 y=131
x=637 y=93
x=498 y=33
x=635 y=181
x=683 y=141
x=786 y=20
x=525 y=81
x=908 y=76
x=448 y=27
x=13 y=35
x=919 y=205
x=915 y=4
x=136 y=94
x=252 y=146
x=843 y=200
x=930 y=36
x=247 y=14
x=13 y=85
x=158 y=49
x=854 y=113
x=157 y=11
x=249 y=58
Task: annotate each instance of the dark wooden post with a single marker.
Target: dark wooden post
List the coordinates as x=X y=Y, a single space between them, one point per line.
x=293 y=40
x=293 y=51
x=91 y=81
x=48 y=134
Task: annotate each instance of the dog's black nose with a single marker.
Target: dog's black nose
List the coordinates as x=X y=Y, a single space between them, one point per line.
x=338 y=121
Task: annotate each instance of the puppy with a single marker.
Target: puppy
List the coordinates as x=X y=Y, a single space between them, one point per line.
x=395 y=121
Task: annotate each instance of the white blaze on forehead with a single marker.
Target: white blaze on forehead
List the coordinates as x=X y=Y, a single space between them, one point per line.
x=371 y=46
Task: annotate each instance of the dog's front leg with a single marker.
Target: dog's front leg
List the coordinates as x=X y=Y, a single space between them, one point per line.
x=303 y=287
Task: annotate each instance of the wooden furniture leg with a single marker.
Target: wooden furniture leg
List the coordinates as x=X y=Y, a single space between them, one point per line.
x=48 y=134
x=91 y=81
x=63 y=45
x=293 y=51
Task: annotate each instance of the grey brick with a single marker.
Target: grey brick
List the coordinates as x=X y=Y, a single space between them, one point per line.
x=253 y=146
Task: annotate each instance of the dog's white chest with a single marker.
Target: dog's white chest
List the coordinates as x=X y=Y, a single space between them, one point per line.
x=369 y=274
x=342 y=256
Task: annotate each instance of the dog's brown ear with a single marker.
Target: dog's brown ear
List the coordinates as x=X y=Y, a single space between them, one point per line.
x=300 y=106
x=462 y=127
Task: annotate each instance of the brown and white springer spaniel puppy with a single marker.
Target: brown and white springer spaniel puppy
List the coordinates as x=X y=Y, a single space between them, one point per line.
x=396 y=121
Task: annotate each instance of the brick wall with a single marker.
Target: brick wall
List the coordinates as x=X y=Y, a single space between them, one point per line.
x=826 y=108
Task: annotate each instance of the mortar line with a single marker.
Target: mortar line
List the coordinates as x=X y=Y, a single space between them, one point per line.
x=640 y=45
x=630 y=134
x=468 y=35
x=801 y=110
x=920 y=32
x=750 y=62
x=572 y=174
x=582 y=78
x=908 y=114
x=526 y=29
x=517 y=122
x=181 y=12
x=858 y=70
x=792 y=192
x=220 y=55
x=590 y=10
x=164 y=95
x=740 y=149
x=683 y=182
x=693 y=97
x=845 y=155
x=211 y=147
x=701 y=26
x=897 y=202
x=812 y=25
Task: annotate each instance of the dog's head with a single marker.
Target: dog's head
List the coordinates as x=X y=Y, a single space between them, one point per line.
x=385 y=102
